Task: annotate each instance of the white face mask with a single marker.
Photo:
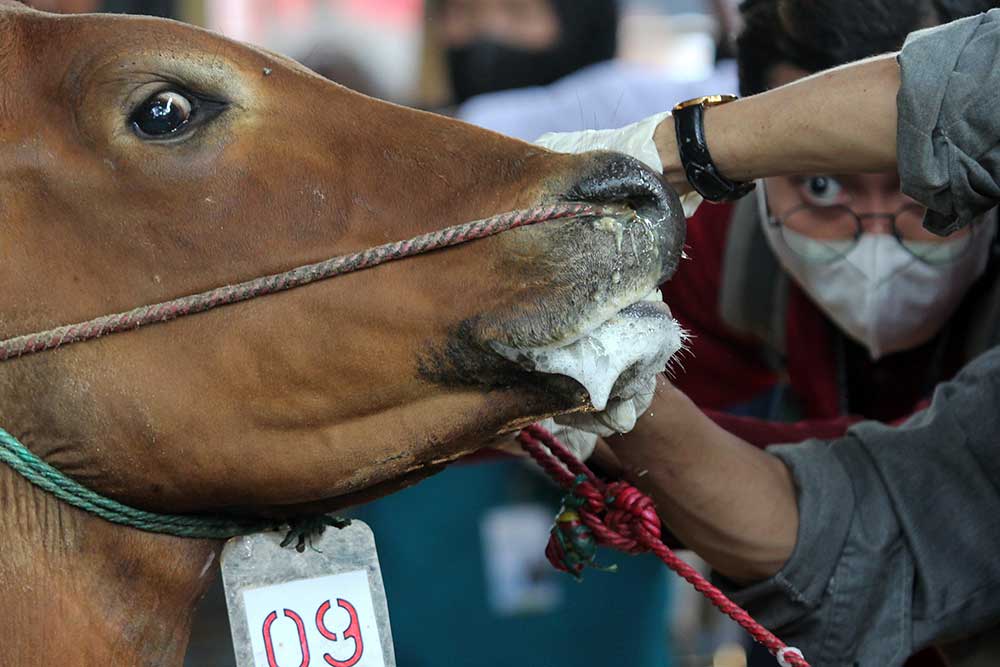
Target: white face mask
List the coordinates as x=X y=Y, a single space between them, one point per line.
x=878 y=293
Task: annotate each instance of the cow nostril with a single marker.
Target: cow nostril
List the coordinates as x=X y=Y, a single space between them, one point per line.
x=619 y=179
x=622 y=179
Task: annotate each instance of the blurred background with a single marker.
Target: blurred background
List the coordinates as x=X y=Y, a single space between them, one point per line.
x=464 y=550
x=381 y=41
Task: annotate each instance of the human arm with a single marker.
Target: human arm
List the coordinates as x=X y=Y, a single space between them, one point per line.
x=899 y=526
x=839 y=121
x=731 y=502
x=931 y=108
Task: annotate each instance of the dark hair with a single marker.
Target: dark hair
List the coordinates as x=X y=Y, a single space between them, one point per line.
x=814 y=35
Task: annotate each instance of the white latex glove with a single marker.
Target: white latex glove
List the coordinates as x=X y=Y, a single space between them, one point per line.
x=619 y=417
x=579 y=431
x=581 y=443
x=635 y=140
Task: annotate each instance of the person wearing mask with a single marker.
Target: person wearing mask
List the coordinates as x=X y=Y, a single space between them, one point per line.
x=829 y=301
x=863 y=547
x=611 y=92
x=491 y=45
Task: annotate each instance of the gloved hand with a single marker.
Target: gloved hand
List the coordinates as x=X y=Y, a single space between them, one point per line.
x=581 y=443
x=579 y=431
x=635 y=140
x=619 y=417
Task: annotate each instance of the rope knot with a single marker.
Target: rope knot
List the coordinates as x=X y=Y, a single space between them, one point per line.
x=630 y=518
x=572 y=546
x=618 y=515
x=594 y=514
x=583 y=495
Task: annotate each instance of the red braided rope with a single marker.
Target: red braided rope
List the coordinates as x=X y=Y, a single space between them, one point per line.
x=303 y=275
x=622 y=517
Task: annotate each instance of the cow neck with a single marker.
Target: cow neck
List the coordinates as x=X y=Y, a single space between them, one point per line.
x=77 y=590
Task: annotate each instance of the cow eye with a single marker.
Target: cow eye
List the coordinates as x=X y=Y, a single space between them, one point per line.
x=162 y=115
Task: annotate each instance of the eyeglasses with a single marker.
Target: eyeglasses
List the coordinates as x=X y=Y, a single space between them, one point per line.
x=824 y=234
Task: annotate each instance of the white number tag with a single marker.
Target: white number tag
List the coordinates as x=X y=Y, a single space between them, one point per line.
x=325 y=607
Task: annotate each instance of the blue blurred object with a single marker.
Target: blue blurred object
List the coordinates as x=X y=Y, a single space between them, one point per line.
x=432 y=544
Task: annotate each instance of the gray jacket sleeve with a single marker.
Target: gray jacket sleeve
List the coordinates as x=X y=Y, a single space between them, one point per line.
x=899 y=536
x=948 y=141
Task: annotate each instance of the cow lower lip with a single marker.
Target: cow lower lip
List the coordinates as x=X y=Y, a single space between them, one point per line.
x=616 y=359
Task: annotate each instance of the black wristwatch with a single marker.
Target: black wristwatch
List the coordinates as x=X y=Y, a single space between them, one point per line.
x=701 y=172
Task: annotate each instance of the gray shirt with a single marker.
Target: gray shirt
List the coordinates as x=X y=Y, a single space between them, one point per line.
x=949 y=127
x=899 y=532
x=899 y=535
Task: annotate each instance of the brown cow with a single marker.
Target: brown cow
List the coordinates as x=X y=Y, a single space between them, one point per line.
x=142 y=160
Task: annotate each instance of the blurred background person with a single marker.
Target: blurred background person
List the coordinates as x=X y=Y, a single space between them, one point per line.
x=486 y=61
x=490 y=45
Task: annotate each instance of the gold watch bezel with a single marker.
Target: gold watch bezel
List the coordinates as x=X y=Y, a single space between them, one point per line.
x=706 y=101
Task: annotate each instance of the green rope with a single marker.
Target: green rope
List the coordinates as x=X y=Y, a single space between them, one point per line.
x=47 y=478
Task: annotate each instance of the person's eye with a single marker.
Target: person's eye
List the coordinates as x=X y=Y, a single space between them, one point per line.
x=164 y=114
x=821 y=191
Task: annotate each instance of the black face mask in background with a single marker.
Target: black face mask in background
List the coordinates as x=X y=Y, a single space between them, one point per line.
x=588 y=34
x=485 y=66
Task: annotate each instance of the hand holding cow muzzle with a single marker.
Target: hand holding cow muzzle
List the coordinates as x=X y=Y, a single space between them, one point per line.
x=580 y=431
x=635 y=140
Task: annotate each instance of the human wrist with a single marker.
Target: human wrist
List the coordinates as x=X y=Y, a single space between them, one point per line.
x=665 y=138
x=663 y=437
x=690 y=148
x=727 y=500
x=726 y=142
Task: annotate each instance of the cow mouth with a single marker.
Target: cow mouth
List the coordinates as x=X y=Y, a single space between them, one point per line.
x=616 y=362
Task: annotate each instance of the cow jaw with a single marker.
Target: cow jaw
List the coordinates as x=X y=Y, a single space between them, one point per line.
x=616 y=362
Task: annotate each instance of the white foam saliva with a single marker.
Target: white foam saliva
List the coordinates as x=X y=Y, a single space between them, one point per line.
x=641 y=336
